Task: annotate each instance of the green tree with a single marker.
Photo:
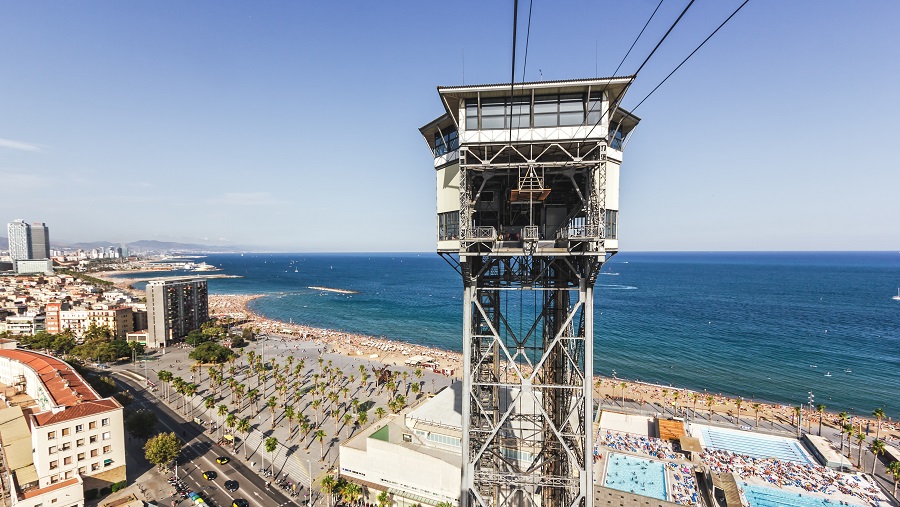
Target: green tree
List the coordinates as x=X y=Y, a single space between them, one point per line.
x=380 y=412
x=162 y=449
x=860 y=439
x=328 y=485
x=289 y=414
x=211 y=352
x=893 y=468
x=244 y=427
x=879 y=415
x=383 y=499
x=271 y=444
x=141 y=423
x=272 y=403
x=165 y=377
x=877 y=447
x=320 y=436
x=820 y=408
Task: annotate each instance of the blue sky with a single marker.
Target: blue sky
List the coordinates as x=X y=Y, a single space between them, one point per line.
x=293 y=125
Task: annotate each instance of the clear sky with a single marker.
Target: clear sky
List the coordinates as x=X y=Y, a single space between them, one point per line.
x=294 y=125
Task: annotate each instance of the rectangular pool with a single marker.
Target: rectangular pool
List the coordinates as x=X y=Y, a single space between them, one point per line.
x=752 y=444
x=761 y=496
x=636 y=475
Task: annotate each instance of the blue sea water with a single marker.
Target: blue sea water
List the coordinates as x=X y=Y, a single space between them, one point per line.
x=765 y=326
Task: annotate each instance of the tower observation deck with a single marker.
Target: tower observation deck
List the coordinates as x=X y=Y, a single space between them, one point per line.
x=527 y=211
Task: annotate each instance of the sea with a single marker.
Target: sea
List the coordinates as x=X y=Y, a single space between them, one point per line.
x=778 y=327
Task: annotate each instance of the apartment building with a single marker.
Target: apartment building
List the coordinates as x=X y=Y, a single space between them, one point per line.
x=75 y=439
x=175 y=307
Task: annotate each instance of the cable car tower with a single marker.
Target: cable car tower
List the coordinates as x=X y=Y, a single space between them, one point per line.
x=527 y=211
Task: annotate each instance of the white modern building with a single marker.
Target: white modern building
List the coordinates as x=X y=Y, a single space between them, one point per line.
x=59 y=437
x=19 y=235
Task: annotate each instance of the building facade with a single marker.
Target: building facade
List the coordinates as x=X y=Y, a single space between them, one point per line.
x=175 y=307
x=59 y=437
x=19 y=234
x=40 y=241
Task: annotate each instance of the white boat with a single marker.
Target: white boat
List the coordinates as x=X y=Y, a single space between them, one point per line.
x=828 y=374
x=897 y=297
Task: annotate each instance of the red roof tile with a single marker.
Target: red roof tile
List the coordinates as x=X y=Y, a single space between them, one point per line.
x=59 y=485
x=65 y=385
x=81 y=410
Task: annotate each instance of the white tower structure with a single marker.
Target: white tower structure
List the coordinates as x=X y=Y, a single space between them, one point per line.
x=527 y=211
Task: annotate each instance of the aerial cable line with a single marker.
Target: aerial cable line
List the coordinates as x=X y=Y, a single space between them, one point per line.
x=690 y=55
x=638 y=37
x=527 y=39
x=620 y=96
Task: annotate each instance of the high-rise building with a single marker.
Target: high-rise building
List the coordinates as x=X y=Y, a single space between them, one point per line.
x=40 y=241
x=19 y=240
x=175 y=307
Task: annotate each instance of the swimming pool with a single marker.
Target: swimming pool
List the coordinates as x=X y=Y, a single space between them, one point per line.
x=752 y=444
x=761 y=496
x=636 y=475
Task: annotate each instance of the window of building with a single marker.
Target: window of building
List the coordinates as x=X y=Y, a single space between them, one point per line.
x=595 y=109
x=54 y=479
x=448 y=225
x=92 y=425
x=79 y=442
x=82 y=470
x=80 y=456
x=107 y=449
x=66 y=446
x=65 y=432
x=67 y=461
x=94 y=453
x=106 y=435
x=104 y=422
x=612 y=217
x=615 y=135
x=51 y=435
x=95 y=467
x=54 y=464
x=444 y=439
x=447 y=142
x=472 y=114
x=79 y=428
x=501 y=113
x=93 y=439
x=52 y=449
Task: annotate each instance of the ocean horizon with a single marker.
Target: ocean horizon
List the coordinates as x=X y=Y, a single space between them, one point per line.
x=768 y=326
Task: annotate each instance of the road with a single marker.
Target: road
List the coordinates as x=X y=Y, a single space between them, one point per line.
x=199 y=455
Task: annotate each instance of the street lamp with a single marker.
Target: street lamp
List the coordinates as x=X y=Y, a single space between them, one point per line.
x=809 y=419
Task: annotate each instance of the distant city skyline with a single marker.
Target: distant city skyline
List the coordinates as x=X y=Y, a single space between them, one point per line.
x=294 y=127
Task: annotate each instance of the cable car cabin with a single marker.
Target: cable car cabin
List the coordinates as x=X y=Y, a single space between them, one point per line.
x=534 y=166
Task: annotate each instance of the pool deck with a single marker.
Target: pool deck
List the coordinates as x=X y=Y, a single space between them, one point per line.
x=835 y=498
x=600 y=469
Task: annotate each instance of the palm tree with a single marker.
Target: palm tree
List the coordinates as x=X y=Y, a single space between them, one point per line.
x=305 y=427
x=320 y=436
x=860 y=438
x=253 y=396
x=328 y=483
x=876 y=447
x=738 y=402
x=189 y=391
x=710 y=401
x=675 y=397
x=316 y=405
x=352 y=492
x=878 y=414
x=380 y=412
x=893 y=468
x=383 y=500
x=165 y=377
x=244 y=427
x=272 y=403
x=842 y=417
x=209 y=402
x=694 y=397
x=756 y=407
x=623 y=385
x=222 y=411
x=820 y=408
x=289 y=414
x=271 y=444
x=847 y=430
x=361 y=417
x=347 y=420
x=231 y=422
x=798 y=411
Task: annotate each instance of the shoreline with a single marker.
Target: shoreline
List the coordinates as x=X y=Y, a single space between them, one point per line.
x=394 y=353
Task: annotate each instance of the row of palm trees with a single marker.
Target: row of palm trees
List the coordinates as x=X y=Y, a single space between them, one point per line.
x=352 y=494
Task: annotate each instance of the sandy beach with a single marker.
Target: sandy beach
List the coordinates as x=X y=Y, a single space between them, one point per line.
x=610 y=389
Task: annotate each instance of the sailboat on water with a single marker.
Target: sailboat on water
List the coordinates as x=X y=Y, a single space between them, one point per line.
x=897 y=297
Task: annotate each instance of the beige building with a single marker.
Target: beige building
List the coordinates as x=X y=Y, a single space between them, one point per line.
x=118 y=319
x=75 y=440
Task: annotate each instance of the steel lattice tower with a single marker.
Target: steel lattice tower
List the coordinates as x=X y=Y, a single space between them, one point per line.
x=527 y=198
